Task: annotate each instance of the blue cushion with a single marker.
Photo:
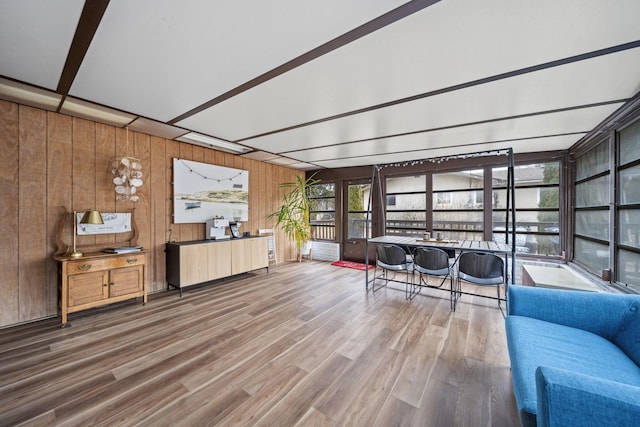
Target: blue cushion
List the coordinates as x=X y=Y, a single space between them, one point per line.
x=628 y=337
x=570 y=399
x=533 y=343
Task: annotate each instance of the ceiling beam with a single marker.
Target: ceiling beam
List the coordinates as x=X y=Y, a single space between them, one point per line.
x=87 y=25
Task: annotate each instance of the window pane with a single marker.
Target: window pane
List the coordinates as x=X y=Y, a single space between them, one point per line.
x=458 y=200
x=629 y=226
x=356 y=218
x=322 y=211
x=547 y=173
x=630 y=143
x=593 y=193
x=593 y=162
x=629 y=269
x=323 y=190
x=356 y=224
x=528 y=198
x=322 y=204
x=531 y=221
x=593 y=224
x=408 y=202
x=319 y=217
x=409 y=217
x=458 y=180
x=595 y=255
x=404 y=184
x=630 y=185
x=459 y=225
x=406 y=223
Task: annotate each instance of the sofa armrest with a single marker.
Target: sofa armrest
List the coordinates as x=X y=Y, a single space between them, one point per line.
x=567 y=398
x=599 y=313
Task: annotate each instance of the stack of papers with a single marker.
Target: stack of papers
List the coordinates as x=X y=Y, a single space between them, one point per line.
x=123 y=249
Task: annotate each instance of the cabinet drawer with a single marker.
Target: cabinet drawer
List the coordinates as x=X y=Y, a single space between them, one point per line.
x=90 y=265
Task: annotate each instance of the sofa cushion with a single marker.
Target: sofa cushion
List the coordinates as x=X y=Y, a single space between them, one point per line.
x=628 y=336
x=533 y=343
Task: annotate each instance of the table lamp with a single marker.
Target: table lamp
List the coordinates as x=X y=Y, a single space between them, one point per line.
x=91 y=216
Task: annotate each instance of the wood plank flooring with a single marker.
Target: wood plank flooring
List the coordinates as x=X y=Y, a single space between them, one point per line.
x=304 y=345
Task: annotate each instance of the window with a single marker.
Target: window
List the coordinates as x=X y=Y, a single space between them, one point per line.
x=628 y=212
x=537 y=196
x=322 y=212
x=358 y=213
x=458 y=203
x=406 y=205
x=592 y=223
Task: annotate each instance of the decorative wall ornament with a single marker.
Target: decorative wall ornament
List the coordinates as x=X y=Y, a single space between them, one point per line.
x=127 y=173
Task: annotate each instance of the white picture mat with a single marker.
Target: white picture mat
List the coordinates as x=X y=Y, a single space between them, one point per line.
x=202 y=191
x=113 y=223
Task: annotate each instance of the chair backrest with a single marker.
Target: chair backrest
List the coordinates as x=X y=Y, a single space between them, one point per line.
x=481 y=268
x=391 y=257
x=431 y=261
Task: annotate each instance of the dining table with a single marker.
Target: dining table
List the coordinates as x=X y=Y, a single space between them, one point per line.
x=409 y=243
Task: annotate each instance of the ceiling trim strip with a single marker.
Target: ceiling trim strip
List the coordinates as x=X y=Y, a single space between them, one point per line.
x=479 y=122
x=359 y=32
x=472 y=144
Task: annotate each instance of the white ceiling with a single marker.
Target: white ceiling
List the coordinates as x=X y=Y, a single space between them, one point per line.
x=329 y=84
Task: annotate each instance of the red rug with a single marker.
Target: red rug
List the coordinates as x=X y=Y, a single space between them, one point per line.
x=351 y=264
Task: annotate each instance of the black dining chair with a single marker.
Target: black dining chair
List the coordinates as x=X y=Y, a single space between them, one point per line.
x=480 y=268
x=394 y=259
x=427 y=262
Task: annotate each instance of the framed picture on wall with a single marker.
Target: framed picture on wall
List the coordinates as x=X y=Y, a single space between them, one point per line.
x=202 y=191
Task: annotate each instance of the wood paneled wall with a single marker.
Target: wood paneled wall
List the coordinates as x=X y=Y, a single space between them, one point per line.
x=50 y=160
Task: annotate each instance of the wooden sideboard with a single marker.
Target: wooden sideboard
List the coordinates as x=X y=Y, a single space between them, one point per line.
x=98 y=279
x=199 y=261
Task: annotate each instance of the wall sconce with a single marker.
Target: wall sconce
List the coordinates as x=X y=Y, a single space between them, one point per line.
x=90 y=216
x=127 y=173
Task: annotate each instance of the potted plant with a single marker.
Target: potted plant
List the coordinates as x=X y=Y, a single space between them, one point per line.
x=293 y=215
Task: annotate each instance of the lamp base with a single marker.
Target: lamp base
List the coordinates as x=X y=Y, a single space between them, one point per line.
x=76 y=254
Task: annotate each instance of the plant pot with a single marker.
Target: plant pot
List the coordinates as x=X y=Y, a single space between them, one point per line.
x=305 y=251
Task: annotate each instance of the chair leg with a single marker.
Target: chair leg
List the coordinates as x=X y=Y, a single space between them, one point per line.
x=383 y=276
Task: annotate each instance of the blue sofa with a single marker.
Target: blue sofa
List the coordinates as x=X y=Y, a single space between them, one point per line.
x=575 y=357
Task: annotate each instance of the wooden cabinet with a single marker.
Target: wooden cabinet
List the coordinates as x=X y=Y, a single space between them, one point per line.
x=190 y=263
x=98 y=279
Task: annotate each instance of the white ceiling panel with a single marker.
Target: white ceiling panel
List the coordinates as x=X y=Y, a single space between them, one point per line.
x=561 y=87
x=336 y=83
x=573 y=121
x=35 y=36
x=161 y=58
x=523 y=146
x=449 y=43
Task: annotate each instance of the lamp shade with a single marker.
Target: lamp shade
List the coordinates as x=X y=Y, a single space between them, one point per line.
x=91 y=216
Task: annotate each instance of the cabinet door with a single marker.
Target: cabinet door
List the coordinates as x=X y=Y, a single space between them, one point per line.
x=194 y=264
x=219 y=260
x=240 y=256
x=125 y=281
x=88 y=288
x=259 y=252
